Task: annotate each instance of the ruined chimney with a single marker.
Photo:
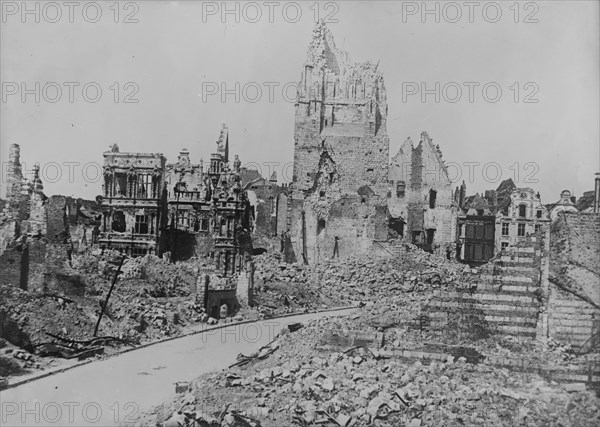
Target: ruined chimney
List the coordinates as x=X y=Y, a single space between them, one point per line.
x=597 y=194
x=14 y=174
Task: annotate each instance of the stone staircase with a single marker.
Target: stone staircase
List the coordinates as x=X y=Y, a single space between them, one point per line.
x=506 y=300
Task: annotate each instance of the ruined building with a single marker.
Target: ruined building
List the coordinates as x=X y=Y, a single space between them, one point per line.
x=207 y=208
x=269 y=202
x=132 y=202
x=209 y=217
x=421 y=201
x=37 y=233
x=341 y=149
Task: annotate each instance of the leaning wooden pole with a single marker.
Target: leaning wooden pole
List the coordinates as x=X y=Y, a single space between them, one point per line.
x=108 y=295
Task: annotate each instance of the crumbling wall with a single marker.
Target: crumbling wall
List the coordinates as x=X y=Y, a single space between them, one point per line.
x=8 y=232
x=269 y=202
x=341 y=153
x=421 y=195
x=506 y=299
x=574 y=278
x=571 y=320
x=36 y=251
x=10 y=262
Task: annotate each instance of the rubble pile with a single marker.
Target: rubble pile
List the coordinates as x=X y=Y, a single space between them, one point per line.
x=25 y=317
x=302 y=384
x=151 y=300
x=284 y=287
x=15 y=360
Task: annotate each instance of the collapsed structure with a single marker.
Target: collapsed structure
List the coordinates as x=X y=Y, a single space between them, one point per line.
x=38 y=234
x=181 y=211
x=345 y=196
x=421 y=202
x=338 y=196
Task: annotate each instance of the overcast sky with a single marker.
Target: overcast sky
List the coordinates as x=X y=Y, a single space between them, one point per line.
x=178 y=54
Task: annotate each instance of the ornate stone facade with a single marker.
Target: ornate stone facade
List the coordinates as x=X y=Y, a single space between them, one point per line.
x=132 y=203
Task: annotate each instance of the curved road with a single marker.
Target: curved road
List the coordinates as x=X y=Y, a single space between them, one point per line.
x=113 y=391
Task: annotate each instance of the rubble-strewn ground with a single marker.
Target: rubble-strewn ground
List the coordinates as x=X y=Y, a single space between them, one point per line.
x=152 y=300
x=305 y=380
x=301 y=379
x=302 y=384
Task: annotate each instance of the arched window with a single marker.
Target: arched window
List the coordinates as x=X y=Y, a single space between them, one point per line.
x=522 y=211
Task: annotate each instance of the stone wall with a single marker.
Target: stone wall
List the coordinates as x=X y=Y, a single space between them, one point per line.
x=10 y=264
x=574 y=278
x=507 y=300
x=421 y=194
x=341 y=152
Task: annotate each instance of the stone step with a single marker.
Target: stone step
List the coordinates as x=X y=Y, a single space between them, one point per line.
x=488 y=297
x=438 y=328
x=496 y=318
x=516 y=268
x=518 y=261
x=509 y=289
x=512 y=279
x=495 y=309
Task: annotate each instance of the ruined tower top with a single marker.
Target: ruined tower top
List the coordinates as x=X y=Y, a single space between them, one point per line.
x=330 y=70
x=322 y=52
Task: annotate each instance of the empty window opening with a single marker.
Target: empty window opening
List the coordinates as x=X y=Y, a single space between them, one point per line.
x=432 y=197
x=321 y=226
x=118 y=223
x=416 y=237
x=538 y=213
x=121 y=184
x=400 y=189
x=430 y=236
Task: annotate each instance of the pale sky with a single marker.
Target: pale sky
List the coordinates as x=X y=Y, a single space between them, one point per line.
x=175 y=53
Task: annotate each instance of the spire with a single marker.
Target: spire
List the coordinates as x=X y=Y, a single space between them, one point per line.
x=223 y=143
